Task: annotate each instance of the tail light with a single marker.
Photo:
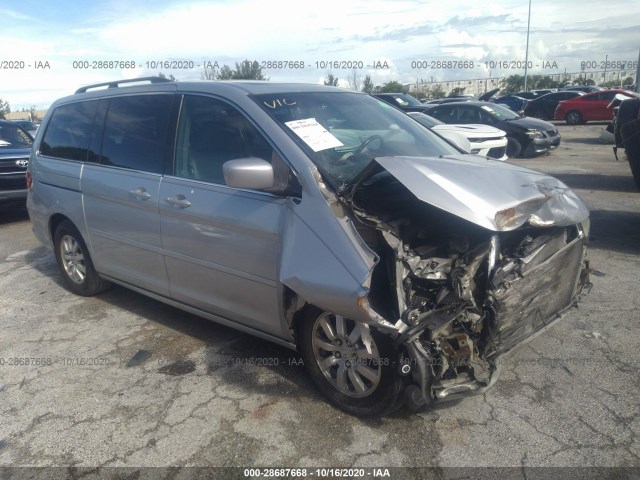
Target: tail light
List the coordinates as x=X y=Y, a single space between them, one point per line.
x=29 y=179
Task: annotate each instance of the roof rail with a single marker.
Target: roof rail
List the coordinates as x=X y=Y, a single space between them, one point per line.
x=116 y=83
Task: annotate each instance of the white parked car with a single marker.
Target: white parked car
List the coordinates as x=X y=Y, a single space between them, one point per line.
x=485 y=140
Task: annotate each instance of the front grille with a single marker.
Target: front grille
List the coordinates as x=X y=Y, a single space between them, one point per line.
x=8 y=165
x=12 y=176
x=497 y=152
x=533 y=300
x=484 y=139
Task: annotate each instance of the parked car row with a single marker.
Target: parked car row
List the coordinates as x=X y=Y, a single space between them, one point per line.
x=544 y=107
x=494 y=130
x=588 y=107
x=525 y=136
x=483 y=140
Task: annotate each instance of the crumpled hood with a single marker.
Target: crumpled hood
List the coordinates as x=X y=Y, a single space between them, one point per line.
x=492 y=194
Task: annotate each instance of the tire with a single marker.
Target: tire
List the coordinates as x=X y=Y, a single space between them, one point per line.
x=74 y=262
x=630 y=133
x=574 y=118
x=514 y=148
x=370 y=386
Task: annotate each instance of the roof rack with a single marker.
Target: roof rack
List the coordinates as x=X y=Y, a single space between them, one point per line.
x=116 y=83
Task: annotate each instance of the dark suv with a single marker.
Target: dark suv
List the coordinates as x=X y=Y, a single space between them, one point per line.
x=15 y=146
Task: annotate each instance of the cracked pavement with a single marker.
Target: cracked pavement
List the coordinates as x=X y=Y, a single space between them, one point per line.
x=206 y=395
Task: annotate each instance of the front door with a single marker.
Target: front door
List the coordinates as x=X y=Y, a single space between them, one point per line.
x=221 y=244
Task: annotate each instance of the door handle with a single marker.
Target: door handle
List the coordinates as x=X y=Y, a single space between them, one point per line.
x=178 y=201
x=140 y=194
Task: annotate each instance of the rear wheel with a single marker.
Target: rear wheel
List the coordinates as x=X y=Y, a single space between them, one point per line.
x=574 y=118
x=75 y=263
x=359 y=380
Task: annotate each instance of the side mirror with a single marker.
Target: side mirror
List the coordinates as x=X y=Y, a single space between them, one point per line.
x=250 y=173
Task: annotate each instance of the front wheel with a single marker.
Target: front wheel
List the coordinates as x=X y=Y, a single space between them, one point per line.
x=75 y=263
x=514 y=148
x=359 y=380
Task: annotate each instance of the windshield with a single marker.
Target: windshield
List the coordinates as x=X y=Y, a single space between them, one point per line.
x=500 y=112
x=425 y=119
x=342 y=132
x=12 y=136
x=406 y=100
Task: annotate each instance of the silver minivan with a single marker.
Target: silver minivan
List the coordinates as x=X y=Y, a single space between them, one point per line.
x=319 y=218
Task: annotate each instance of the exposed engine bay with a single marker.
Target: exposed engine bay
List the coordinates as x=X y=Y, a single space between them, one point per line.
x=464 y=294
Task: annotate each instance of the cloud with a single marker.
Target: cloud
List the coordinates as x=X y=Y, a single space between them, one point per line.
x=227 y=31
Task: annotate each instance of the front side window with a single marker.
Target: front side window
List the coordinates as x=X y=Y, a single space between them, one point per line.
x=136 y=132
x=211 y=132
x=468 y=115
x=69 y=130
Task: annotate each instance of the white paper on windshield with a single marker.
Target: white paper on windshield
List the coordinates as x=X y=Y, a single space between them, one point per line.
x=4 y=144
x=314 y=134
x=487 y=108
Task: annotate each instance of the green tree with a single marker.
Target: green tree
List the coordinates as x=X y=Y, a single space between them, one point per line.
x=248 y=70
x=331 y=80
x=354 y=80
x=392 y=87
x=512 y=83
x=367 y=85
x=456 y=92
x=438 y=92
x=544 y=82
x=4 y=108
x=581 y=80
x=610 y=84
x=170 y=77
x=225 y=73
x=245 y=70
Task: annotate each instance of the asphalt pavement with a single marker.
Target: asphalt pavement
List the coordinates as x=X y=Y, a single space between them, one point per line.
x=122 y=380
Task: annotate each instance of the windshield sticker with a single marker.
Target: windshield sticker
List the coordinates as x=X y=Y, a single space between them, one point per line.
x=4 y=143
x=488 y=109
x=314 y=134
x=281 y=102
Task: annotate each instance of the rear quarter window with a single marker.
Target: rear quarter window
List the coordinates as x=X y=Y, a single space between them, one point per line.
x=69 y=130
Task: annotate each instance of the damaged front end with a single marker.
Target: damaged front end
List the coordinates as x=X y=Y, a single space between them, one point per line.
x=474 y=271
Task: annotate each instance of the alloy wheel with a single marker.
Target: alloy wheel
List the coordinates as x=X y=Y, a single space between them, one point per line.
x=73 y=259
x=343 y=358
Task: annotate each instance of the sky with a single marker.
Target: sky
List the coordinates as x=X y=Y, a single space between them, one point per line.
x=46 y=47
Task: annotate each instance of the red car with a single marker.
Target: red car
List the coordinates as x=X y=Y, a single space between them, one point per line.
x=592 y=106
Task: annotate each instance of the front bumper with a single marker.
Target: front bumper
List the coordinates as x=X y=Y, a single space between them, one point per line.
x=523 y=300
x=17 y=195
x=493 y=148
